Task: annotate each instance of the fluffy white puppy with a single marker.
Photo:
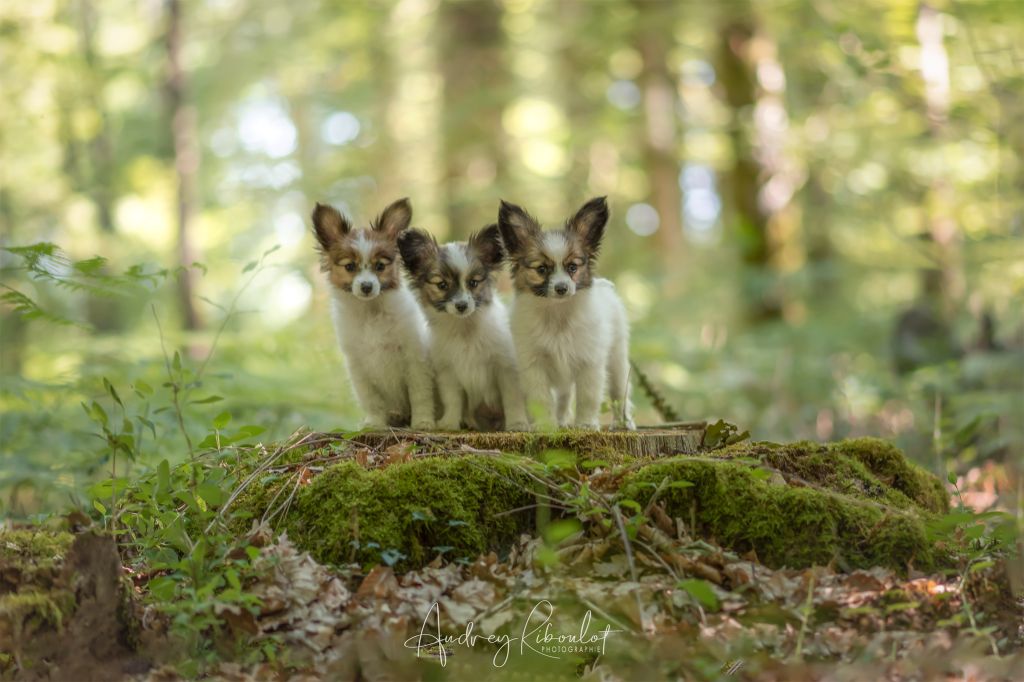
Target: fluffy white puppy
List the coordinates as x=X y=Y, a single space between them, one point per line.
x=471 y=345
x=381 y=329
x=570 y=328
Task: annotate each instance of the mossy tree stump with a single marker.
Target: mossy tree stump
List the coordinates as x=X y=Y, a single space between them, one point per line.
x=405 y=497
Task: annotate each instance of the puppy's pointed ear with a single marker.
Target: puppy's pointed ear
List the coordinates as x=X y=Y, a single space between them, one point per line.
x=487 y=244
x=516 y=227
x=589 y=222
x=394 y=219
x=329 y=225
x=418 y=249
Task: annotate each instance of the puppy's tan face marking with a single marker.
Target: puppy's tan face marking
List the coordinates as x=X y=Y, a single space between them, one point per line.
x=455 y=278
x=360 y=259
x=362 y=262
x=553 y=263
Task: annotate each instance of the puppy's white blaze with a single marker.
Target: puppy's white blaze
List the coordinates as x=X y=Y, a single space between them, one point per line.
x=364 y=246
x=458 y=258
x=555 y=246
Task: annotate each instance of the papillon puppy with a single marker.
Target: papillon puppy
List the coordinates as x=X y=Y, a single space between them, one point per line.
x=470 y=341
x=570 y=327
x=382 y=331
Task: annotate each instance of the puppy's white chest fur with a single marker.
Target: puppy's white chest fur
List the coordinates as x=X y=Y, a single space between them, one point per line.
x=580 y=344
x=384 y=342
x=474 y=356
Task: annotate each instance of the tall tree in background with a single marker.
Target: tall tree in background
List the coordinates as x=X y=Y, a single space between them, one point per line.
x=661 y=120
x=100 y=180
x=475 y=93
x=923 y=333
x=186 y=162
x=760 y=183
x=413 y=110
x=943 y=284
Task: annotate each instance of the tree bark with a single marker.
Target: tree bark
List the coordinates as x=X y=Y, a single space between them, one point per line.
x=186 y=163
x=942 y=284
x=760 y=183
x=473 y=70
x=100 y=147
x=661 y=123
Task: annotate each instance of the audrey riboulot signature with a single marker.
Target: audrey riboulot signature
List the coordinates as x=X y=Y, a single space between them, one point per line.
x=536 y=636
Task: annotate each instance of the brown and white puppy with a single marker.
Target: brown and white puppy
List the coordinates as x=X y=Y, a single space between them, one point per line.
x=382 y=331
x=570 y=327
x=470 y=342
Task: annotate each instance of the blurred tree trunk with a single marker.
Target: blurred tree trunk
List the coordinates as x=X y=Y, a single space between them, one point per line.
x=471 y=42
x=413 y=101
x=942 y=285
x=923 y=333
x=760 y=183
x=661 y=121
x=186 y=163
x=99 y=184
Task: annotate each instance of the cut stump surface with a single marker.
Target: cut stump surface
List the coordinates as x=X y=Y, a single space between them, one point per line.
x=646 y=441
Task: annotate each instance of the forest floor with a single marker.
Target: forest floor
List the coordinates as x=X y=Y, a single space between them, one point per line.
x=588 y=584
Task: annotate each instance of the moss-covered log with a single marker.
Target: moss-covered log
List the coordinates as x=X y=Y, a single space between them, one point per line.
x=859 y=503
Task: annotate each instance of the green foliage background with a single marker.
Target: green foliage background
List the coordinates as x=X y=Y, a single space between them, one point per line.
x=880 y=191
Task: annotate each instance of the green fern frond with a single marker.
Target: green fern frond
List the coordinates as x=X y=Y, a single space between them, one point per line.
x=45 y=261
x=29 y=309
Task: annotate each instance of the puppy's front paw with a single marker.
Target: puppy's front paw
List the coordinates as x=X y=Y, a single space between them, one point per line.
x=423 y=425
x=517 y=426
x=373 y=424
x=449 y=425
x=627 y=425
x=589 y=425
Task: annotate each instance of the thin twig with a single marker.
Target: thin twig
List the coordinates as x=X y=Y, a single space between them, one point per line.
x=617 y=513
x=608 y=617
x=175 y=388
x=526 y=508
x=264 y=465
x=805 y=616
x=654 y=553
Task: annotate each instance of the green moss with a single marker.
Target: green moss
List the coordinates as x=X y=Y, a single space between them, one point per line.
x=32 y=596
x=28 y=611
x=867 y=468
x=350 y=513
x=858 y=502
x=892 y=468
x=31 y=557
x=785 y=525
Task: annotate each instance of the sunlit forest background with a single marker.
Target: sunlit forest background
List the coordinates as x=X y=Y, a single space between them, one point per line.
x=817 y=217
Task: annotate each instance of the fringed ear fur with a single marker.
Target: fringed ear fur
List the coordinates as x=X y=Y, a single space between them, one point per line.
x=516 y=227
x=394 y=219
x=487 y=244
x=417 y=248
x=589 y=222
x=329 y=225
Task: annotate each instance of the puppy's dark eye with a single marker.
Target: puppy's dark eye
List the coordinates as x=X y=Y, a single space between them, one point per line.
x=350 y=267
x=572 y=268
x=473 y=283
x=380 y=266
x=542 y=269
x=443 y=286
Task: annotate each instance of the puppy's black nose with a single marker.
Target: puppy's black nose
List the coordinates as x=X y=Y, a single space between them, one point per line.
x=461 y=306
x=561 y=289
x=366 y=287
